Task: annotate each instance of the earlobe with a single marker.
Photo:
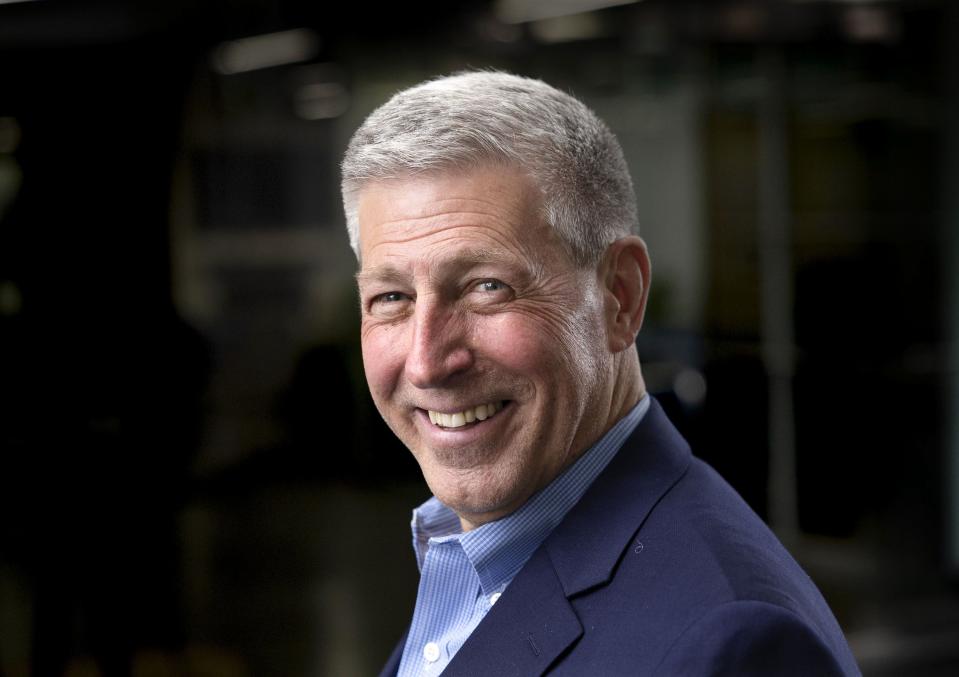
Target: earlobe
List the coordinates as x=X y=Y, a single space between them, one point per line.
x=627 y=276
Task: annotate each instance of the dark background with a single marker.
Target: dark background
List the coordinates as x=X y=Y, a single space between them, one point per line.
x=193 y=480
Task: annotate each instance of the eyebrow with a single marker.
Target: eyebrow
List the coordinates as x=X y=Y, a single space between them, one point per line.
x=384 y=273
x=462 y=260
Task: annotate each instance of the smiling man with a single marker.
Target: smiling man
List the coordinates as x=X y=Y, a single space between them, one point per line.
x=570 y=530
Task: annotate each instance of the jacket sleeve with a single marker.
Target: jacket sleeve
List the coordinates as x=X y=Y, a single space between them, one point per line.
x=749 y=638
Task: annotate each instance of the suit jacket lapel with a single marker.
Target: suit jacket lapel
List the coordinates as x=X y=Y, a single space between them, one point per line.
x=525 y=631
x=589 y=542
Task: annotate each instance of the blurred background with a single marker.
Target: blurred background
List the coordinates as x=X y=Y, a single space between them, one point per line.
x=193 y=480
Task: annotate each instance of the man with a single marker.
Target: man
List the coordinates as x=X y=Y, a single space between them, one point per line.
x=570 y=531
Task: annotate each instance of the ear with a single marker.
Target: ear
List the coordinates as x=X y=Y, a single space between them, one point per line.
x=625 y=275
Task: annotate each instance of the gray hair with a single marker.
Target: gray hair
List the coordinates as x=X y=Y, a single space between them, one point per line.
x=488 y=117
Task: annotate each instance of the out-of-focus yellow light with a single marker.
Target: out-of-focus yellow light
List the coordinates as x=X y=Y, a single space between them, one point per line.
x=321 y=100
x=266 y=51
x=11 y=301
x=521 y=11
x=870 y=24
x=9 y=133
x=567 y=28
x=690 y=387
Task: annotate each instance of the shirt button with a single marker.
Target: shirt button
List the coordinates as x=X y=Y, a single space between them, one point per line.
x=431 y=652
x=494 y=597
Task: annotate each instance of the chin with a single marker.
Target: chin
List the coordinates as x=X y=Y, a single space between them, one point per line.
x=475 y=497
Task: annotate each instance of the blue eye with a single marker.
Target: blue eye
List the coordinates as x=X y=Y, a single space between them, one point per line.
x=389 y=303
x=491 y=285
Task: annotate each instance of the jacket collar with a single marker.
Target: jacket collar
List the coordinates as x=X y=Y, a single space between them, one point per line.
x=651 y=460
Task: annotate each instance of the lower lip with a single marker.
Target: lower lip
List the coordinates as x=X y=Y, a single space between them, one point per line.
x=467 y=432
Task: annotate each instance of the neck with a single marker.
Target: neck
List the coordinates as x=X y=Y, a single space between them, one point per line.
x=628 y=388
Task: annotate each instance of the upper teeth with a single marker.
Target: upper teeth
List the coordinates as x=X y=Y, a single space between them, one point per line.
x=480 y=412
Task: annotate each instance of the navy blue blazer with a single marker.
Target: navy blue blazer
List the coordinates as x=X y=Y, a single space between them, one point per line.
x=660 y=569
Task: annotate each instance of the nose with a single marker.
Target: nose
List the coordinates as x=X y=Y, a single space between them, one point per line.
x=438 y=347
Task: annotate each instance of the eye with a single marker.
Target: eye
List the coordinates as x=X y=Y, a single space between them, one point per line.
x=389 y=297
x=389 y=303
x=490 y=291
x=490 y=286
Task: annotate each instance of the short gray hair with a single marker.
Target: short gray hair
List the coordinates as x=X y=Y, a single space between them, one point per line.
x=489 y=117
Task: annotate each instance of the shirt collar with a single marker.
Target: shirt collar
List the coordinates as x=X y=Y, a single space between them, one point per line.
x=497 y=550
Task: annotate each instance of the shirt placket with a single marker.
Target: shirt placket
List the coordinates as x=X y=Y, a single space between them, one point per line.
x=444 y=602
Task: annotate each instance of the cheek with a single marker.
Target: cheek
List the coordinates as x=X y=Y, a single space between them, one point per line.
x=525 y=346
x=556 y=338
x=382 y=360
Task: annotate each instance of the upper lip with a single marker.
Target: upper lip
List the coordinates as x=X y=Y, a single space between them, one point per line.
x=456 y=408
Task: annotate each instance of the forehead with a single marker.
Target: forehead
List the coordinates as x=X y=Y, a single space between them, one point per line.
x=484 y=215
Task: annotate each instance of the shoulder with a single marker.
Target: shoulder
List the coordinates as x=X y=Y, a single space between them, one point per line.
x=667 y=568
x=704 y=587
x=748 y=637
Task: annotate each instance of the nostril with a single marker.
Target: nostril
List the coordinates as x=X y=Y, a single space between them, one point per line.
x=433 y=367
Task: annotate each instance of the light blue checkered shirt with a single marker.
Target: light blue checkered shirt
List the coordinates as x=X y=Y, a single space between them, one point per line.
x=463 y=574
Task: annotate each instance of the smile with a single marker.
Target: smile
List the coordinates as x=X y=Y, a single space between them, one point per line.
x=460 y=418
